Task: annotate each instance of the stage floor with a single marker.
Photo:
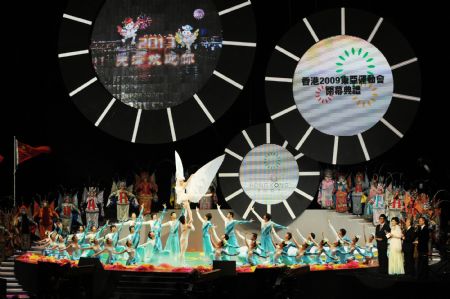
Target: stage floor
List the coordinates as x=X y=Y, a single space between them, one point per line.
x=194 y=261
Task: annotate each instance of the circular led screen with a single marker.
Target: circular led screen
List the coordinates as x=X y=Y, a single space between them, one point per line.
x=343 y=86
x=155 y=71
x=345 y=78
x=262 y=171
x=269 y=174
x=156 y=54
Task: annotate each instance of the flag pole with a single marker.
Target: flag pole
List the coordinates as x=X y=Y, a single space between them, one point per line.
x=15 y=164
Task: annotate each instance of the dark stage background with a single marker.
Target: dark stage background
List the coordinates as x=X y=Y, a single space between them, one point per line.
x=37 y=109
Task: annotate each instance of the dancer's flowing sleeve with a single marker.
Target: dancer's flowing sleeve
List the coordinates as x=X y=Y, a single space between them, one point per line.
x=141 y=214
x=123 y=239
x=166 y=224
x=333 y=230
x=221 y=214
x=214 y=234
x=161 y=217
x=276 y=236
x=199 y=216
x=241 y=236
x=83 y=236
x=98 y=234
x=199 y=182
x=116 y=236
x=243 y=221
x=257 y=216
x=300 y=234
x=278 y=226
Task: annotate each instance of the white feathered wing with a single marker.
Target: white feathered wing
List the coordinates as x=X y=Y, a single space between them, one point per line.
x=199 y=182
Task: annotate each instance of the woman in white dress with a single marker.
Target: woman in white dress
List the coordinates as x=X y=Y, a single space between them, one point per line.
x=395 y=248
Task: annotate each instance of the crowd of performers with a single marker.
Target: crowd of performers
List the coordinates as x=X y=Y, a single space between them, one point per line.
x=64 y=236
x=246 y=249
x=356 y=195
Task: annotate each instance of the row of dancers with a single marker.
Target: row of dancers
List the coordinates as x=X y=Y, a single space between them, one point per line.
x=270 y=249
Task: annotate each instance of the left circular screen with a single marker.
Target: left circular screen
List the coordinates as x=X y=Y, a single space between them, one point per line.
x=144 y=70
x=153 y=55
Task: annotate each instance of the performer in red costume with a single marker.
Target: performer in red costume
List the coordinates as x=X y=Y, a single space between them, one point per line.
x=44 y=216
x=146 y=189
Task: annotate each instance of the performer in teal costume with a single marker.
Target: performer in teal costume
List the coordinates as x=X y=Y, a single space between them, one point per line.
x=208 y=249
x=156 y=228
x=173 y=240
x=230 y=225
x=266 y=229
x=148 y=252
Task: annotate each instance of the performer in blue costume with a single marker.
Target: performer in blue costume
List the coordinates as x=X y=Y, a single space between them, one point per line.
x=340 y=235
x=287 y=249
x=94 y=233
x=75 y=248
x=81 y=234
x=173 y=240
x=370 y=248
x=251 y=253
x=92 y=250
x=221 y=248
x=113 y=234
x=226 y=247
x=135 y=232
x=208 y=249
x=266 y=228
x=155 y=227
x=355 y=249
x=110 y=251
x=61 y=253
x=341 y=253
x=130 y=249
x=148 y=252
x=51 y=244
x=230 y=224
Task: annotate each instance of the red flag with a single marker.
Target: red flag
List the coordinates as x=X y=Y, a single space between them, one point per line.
x=25 y=152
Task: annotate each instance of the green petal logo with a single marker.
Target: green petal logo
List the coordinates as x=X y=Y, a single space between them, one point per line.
x=353 y=53
x=272 y=160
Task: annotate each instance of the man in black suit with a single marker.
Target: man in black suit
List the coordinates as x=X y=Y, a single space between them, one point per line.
x=423 y=236
x=409 y=236
x=380 y=235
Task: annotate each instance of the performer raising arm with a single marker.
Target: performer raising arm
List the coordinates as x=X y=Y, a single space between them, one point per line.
x=155 y=227
x=266 y=229
x=230 y=224
x=173 y=241
x=206 y=225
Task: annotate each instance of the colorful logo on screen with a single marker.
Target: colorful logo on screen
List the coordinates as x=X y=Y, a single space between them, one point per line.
x=352 y=54
x=272 y=160
x=321 y=95
x=368 y=89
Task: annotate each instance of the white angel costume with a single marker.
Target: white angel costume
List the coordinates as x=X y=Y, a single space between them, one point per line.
x=197 y=184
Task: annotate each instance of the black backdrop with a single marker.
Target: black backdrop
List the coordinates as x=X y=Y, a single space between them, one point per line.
x=37 y=109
